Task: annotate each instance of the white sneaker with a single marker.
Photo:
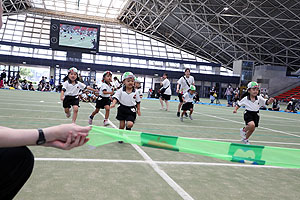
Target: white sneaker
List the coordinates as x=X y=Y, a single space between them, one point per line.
x=90 y=121
x=190 y=116
x=242 y=133
x=181 y=119
x=105 y=122
x=246 y=141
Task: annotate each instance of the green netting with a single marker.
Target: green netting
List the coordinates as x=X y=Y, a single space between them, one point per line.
x=253 y=154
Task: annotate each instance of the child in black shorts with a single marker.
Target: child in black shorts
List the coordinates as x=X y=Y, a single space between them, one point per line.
x=188 y=99
x=103 y=101
x=70 y=93
x=252 y=102
x=129 y=100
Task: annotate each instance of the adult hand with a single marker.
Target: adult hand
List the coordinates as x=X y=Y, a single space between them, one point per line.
x=62 y=132
x=68 y=144
x=112 y=105
x=177 y=91
x=62 y=98
x=139 y=113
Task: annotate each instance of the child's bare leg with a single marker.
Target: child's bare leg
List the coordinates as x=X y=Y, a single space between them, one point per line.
x=75 y=112
x=107 y=108
x=167 y=105
x=249 y=129
x=122 y=124
x=95 y=112
x=67 y=110
x=191 y=111
x=179 y=106
x=129 y=125
x=161 y=103
x=183 y=113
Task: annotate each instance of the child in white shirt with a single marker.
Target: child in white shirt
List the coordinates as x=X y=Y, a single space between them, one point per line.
x=252 y=102
x=188 y=99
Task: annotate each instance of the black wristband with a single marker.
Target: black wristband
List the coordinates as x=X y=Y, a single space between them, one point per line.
x=41 y=140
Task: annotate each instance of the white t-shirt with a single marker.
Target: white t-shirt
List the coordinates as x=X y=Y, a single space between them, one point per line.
x=165 y=84
x=183 y=85
x=250 y=105
x=117 y=84
x=127 y=99
x=105 y=87
x=72 y=90
x=140 y=92
x=188 y=97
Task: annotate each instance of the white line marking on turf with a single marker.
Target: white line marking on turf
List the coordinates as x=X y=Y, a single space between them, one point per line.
x=273 y=130
x=156 y=168
x=157 y=162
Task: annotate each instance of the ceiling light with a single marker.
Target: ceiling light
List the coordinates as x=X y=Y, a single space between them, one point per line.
x=226 y=8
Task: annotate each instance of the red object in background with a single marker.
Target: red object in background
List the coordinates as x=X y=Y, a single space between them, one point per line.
x=1 y=84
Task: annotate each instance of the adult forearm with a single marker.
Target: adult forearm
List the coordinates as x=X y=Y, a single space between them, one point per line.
x=17 y=137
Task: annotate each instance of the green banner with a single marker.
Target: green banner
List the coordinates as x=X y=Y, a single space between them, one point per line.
x=252 y=154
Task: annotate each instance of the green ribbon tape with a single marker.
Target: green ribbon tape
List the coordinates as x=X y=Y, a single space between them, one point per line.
x=253 y=154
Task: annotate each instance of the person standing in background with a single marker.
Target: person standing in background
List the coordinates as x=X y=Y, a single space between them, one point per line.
x=183 y=85
x=165 y=91
x=228 y=94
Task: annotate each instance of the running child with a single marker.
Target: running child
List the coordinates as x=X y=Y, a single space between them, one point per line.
x=103 y=101
x=70 y=93
x=188 y=99
x=129 y=100
x=252 y=102
x=137 y=86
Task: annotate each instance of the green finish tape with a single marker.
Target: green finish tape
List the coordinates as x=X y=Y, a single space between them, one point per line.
x=251 y=154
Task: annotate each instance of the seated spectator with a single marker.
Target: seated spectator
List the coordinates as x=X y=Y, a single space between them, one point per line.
x=275 y=105
x=40 y=87
x=59 y=88
x=47 y=87
x=291 y=106
x=24 y=85
x=30 y=87
x=83 y=97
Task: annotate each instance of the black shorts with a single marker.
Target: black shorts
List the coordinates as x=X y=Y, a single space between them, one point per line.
x=102 y=101
x=180 y=97
x=251 y=116
x=165 y=97
x=70 y=101
x=187 y=106
x=127 y=113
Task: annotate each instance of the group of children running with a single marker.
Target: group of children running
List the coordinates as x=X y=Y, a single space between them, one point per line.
x=129 y=95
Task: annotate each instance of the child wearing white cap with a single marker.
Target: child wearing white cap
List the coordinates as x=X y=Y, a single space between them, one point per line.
x=70 y=93
x=129 y=100
x=252 y=102
x=103 y=101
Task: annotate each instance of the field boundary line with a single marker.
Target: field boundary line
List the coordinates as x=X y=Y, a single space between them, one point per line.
x=157 y=162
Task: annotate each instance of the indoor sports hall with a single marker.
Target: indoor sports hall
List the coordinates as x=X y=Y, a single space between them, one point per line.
x=207 y=92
